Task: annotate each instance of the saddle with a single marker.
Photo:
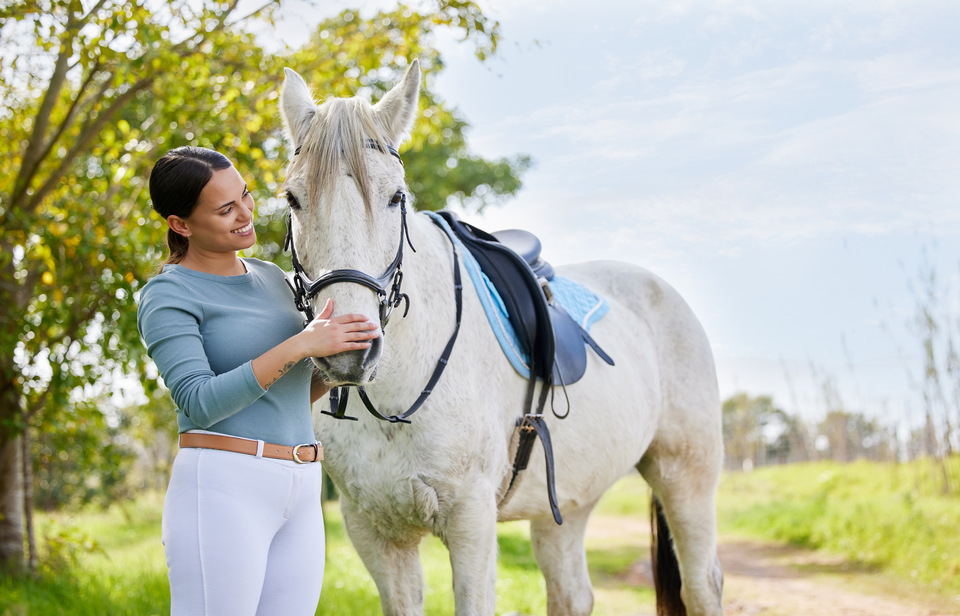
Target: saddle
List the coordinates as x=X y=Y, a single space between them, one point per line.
x=555 y=343
x=511 y=260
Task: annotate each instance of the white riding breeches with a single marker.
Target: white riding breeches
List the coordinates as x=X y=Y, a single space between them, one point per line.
x=243 y=535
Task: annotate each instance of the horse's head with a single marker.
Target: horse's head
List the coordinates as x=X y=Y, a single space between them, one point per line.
x=346 y=191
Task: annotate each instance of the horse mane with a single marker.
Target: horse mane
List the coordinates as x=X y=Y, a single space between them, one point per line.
x=336 y=142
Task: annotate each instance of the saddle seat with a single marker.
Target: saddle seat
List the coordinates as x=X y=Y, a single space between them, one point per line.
x=528 y=246
x=510 y=259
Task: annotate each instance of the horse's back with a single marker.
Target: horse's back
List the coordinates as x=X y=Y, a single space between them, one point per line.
x=654 y=326
x=636 y=293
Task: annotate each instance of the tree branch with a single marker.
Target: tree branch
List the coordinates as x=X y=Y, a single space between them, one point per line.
x=254 y=13
x=92 y=11
x=75 y=107
x=85 y=138
x=33 y=155
x=38 y=147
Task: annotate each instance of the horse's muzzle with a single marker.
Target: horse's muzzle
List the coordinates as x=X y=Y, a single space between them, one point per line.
x=351 y=367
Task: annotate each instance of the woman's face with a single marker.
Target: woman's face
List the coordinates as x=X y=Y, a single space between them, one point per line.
x=223 y=218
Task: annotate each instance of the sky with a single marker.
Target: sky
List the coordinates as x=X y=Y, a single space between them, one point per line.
x=790 y=167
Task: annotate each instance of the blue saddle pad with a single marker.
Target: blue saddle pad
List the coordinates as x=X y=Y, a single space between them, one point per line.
x=583 y=306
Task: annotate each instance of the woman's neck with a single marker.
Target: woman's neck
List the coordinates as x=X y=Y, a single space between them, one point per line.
x=217 y=263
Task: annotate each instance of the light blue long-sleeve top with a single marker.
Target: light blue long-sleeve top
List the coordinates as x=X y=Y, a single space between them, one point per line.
x=204 y=330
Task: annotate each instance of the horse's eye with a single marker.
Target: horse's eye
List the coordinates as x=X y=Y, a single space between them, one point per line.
x=397 y=199
x=292 y=201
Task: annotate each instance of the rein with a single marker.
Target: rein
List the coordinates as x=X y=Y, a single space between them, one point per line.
x=305 y=289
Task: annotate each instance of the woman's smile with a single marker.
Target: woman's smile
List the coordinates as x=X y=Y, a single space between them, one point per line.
x=245 y=230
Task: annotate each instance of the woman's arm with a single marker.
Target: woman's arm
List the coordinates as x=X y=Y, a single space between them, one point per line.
x=168 y=319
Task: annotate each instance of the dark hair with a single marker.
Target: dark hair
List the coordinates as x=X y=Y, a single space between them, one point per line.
x=175 y=185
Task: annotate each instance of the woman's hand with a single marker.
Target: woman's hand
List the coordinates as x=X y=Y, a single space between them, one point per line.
x=324 y=336
x=321 y=337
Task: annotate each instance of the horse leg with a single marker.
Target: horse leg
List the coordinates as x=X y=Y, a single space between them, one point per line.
x=470 y=534
x=687 y=493
x=395 y=567
x=560 y=553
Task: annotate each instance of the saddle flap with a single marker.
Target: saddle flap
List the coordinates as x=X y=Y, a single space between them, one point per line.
x=571 y=353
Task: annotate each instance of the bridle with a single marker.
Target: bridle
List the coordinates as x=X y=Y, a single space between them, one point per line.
x=305 y=289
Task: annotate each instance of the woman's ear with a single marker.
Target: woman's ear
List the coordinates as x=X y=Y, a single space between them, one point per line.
x=178 y=225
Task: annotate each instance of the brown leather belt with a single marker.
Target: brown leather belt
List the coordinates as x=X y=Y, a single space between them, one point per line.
x=302 y=454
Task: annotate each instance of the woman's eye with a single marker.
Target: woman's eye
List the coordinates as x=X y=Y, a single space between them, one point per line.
x=292 y=201
x=398 y=198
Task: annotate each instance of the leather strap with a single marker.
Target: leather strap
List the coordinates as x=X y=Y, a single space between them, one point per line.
x=529 y=428
x=308 y=452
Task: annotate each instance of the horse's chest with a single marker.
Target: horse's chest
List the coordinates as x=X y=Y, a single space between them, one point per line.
x=398 y=478
x=376 y=466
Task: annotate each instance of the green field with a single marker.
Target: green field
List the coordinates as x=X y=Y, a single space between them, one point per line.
x=888 y=518
x=895 y=519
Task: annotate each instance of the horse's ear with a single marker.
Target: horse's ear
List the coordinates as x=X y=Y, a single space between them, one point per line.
x=297 y=107
x=398 y=108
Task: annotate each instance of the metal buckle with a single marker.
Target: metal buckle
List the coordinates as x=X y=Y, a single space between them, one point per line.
x=296 y=453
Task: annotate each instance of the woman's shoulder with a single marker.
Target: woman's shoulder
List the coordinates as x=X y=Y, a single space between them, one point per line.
x=266 y=267
x=266 y=270
x=168 y=288
x=165 y=281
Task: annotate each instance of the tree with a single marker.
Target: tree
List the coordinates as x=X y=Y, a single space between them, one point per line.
x=92 y=91
x=851 y=436
x=756 y=432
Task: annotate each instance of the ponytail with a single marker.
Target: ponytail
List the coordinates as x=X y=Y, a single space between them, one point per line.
x=178 y=245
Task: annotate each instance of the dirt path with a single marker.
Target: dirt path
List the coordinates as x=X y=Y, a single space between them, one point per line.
x=763 y=579
x=768 y=580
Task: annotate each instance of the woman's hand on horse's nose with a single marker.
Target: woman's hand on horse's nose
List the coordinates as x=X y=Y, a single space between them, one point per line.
x=325 y=336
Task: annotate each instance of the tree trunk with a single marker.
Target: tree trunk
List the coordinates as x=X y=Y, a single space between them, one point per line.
x=27 y=461
x=11 y=463
x=11 y=506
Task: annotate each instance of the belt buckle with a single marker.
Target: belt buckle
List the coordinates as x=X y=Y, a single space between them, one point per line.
x=296 y=453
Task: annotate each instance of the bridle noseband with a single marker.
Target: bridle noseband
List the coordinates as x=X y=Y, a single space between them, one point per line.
x=305 y=289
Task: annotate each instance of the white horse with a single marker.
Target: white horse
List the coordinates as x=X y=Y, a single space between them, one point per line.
x=657 y=411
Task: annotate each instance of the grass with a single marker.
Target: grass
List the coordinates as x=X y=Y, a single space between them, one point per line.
x=889 y=518
x=885 y=518
x=111 y=562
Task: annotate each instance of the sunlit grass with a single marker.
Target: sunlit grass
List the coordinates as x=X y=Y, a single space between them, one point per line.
x=878 y=517
x=111 y=562
x=886 y=517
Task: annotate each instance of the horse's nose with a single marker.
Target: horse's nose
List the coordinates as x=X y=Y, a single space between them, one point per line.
x=372 y=355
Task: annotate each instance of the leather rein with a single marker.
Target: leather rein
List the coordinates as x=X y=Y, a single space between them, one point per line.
x=306 y=289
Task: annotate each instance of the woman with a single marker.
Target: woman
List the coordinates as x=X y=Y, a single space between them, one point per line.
x=242 y=523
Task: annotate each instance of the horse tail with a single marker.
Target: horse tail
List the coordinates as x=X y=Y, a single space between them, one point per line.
x=666 y=569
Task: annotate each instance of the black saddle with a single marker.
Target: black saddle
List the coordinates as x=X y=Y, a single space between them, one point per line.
x=554 y=342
